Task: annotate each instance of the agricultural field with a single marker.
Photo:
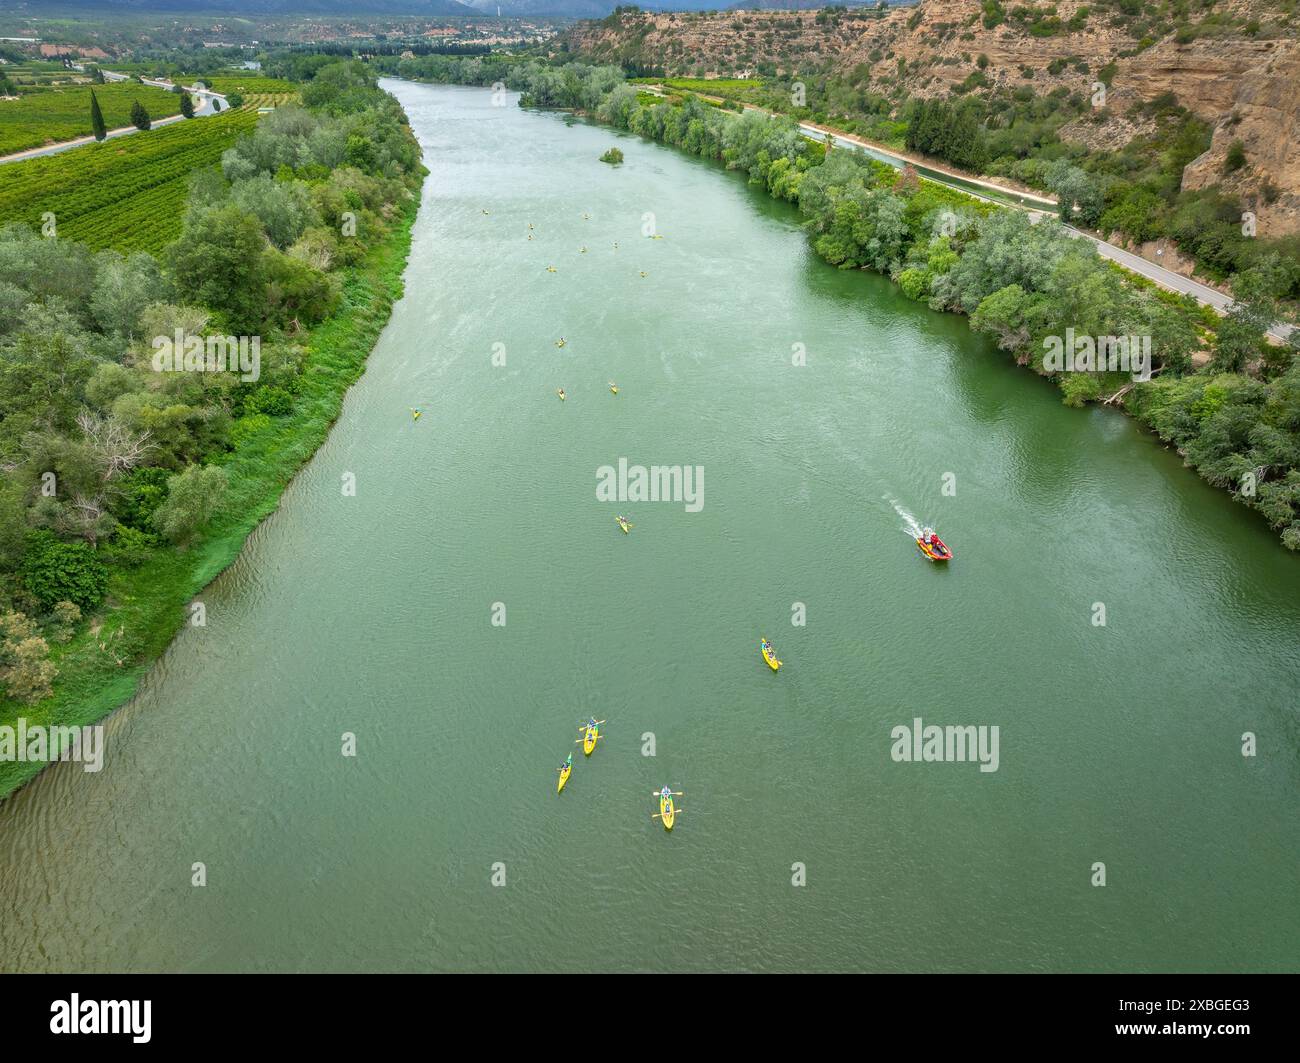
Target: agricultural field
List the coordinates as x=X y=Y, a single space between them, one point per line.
x=48 y=114
x=245 y=84
x=127 y=194
x=746 y=90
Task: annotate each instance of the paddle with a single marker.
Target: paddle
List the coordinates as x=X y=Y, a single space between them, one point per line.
x=659 y=815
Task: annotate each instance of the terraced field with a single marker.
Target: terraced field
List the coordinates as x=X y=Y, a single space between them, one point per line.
x=48 y=114
x=270 y=99
x=128 y=193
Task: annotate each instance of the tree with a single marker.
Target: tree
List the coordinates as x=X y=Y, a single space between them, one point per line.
x=1074 y=187
x=97 y=118
x=1254 y=309
x=123 y=288
x=192 y=498
x=217 y=262
x=283 y=207
x=44 y=369
x=187 y=105
x=139 y=116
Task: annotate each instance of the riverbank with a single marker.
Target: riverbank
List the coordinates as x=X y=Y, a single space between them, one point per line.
x=1010 y=190
x=102 y=666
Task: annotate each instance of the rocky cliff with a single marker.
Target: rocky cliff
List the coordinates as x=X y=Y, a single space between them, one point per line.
x=1234 y=63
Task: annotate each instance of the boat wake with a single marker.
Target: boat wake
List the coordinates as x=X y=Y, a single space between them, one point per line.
x=910 y=524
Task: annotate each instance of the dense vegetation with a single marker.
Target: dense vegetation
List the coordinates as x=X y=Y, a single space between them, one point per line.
x=126 y=485
x=1237 y=420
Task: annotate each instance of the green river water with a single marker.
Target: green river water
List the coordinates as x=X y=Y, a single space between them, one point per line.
x=372 y=614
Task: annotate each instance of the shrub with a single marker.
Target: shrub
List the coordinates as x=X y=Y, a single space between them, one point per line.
x=25 y=669
x=141 y=491
x=65 y=617
x=129 y=547
x=192 y=498
x=269 y=400
x=54 y=571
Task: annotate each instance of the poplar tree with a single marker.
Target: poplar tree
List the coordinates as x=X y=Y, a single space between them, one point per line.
x=97 y=118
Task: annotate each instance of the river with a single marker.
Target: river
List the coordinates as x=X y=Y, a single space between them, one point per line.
x=373 y=614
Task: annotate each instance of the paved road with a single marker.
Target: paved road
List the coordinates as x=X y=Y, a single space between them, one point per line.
x=206 y=106
x=1166 y=278
x=1035 y=206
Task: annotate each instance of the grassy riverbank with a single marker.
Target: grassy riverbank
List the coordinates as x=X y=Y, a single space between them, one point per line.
x=153 y=408
x=146 y=606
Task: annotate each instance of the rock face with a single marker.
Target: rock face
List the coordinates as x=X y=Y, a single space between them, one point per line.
x=1265 y=119
x=1240 y=71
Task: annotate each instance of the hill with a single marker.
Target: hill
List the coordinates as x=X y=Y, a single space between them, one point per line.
x=1233 y=65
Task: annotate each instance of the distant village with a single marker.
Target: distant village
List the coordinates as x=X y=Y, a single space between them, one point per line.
x=91 y=44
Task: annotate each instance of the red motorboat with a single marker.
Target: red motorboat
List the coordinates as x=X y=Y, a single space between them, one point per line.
x=935 y=549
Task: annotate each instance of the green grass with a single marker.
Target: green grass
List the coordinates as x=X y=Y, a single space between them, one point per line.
x=127 y=194
x=147 y=605
x=62 y=112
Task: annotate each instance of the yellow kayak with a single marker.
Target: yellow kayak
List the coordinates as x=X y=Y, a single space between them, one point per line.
x=666 y=810
x=613 y=387
x=565 y=772
x=769 y=655
x=624 y=523
x=560 y=392
x=590 y=733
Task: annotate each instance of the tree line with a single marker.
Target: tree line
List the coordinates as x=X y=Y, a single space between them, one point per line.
x=110 y=462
